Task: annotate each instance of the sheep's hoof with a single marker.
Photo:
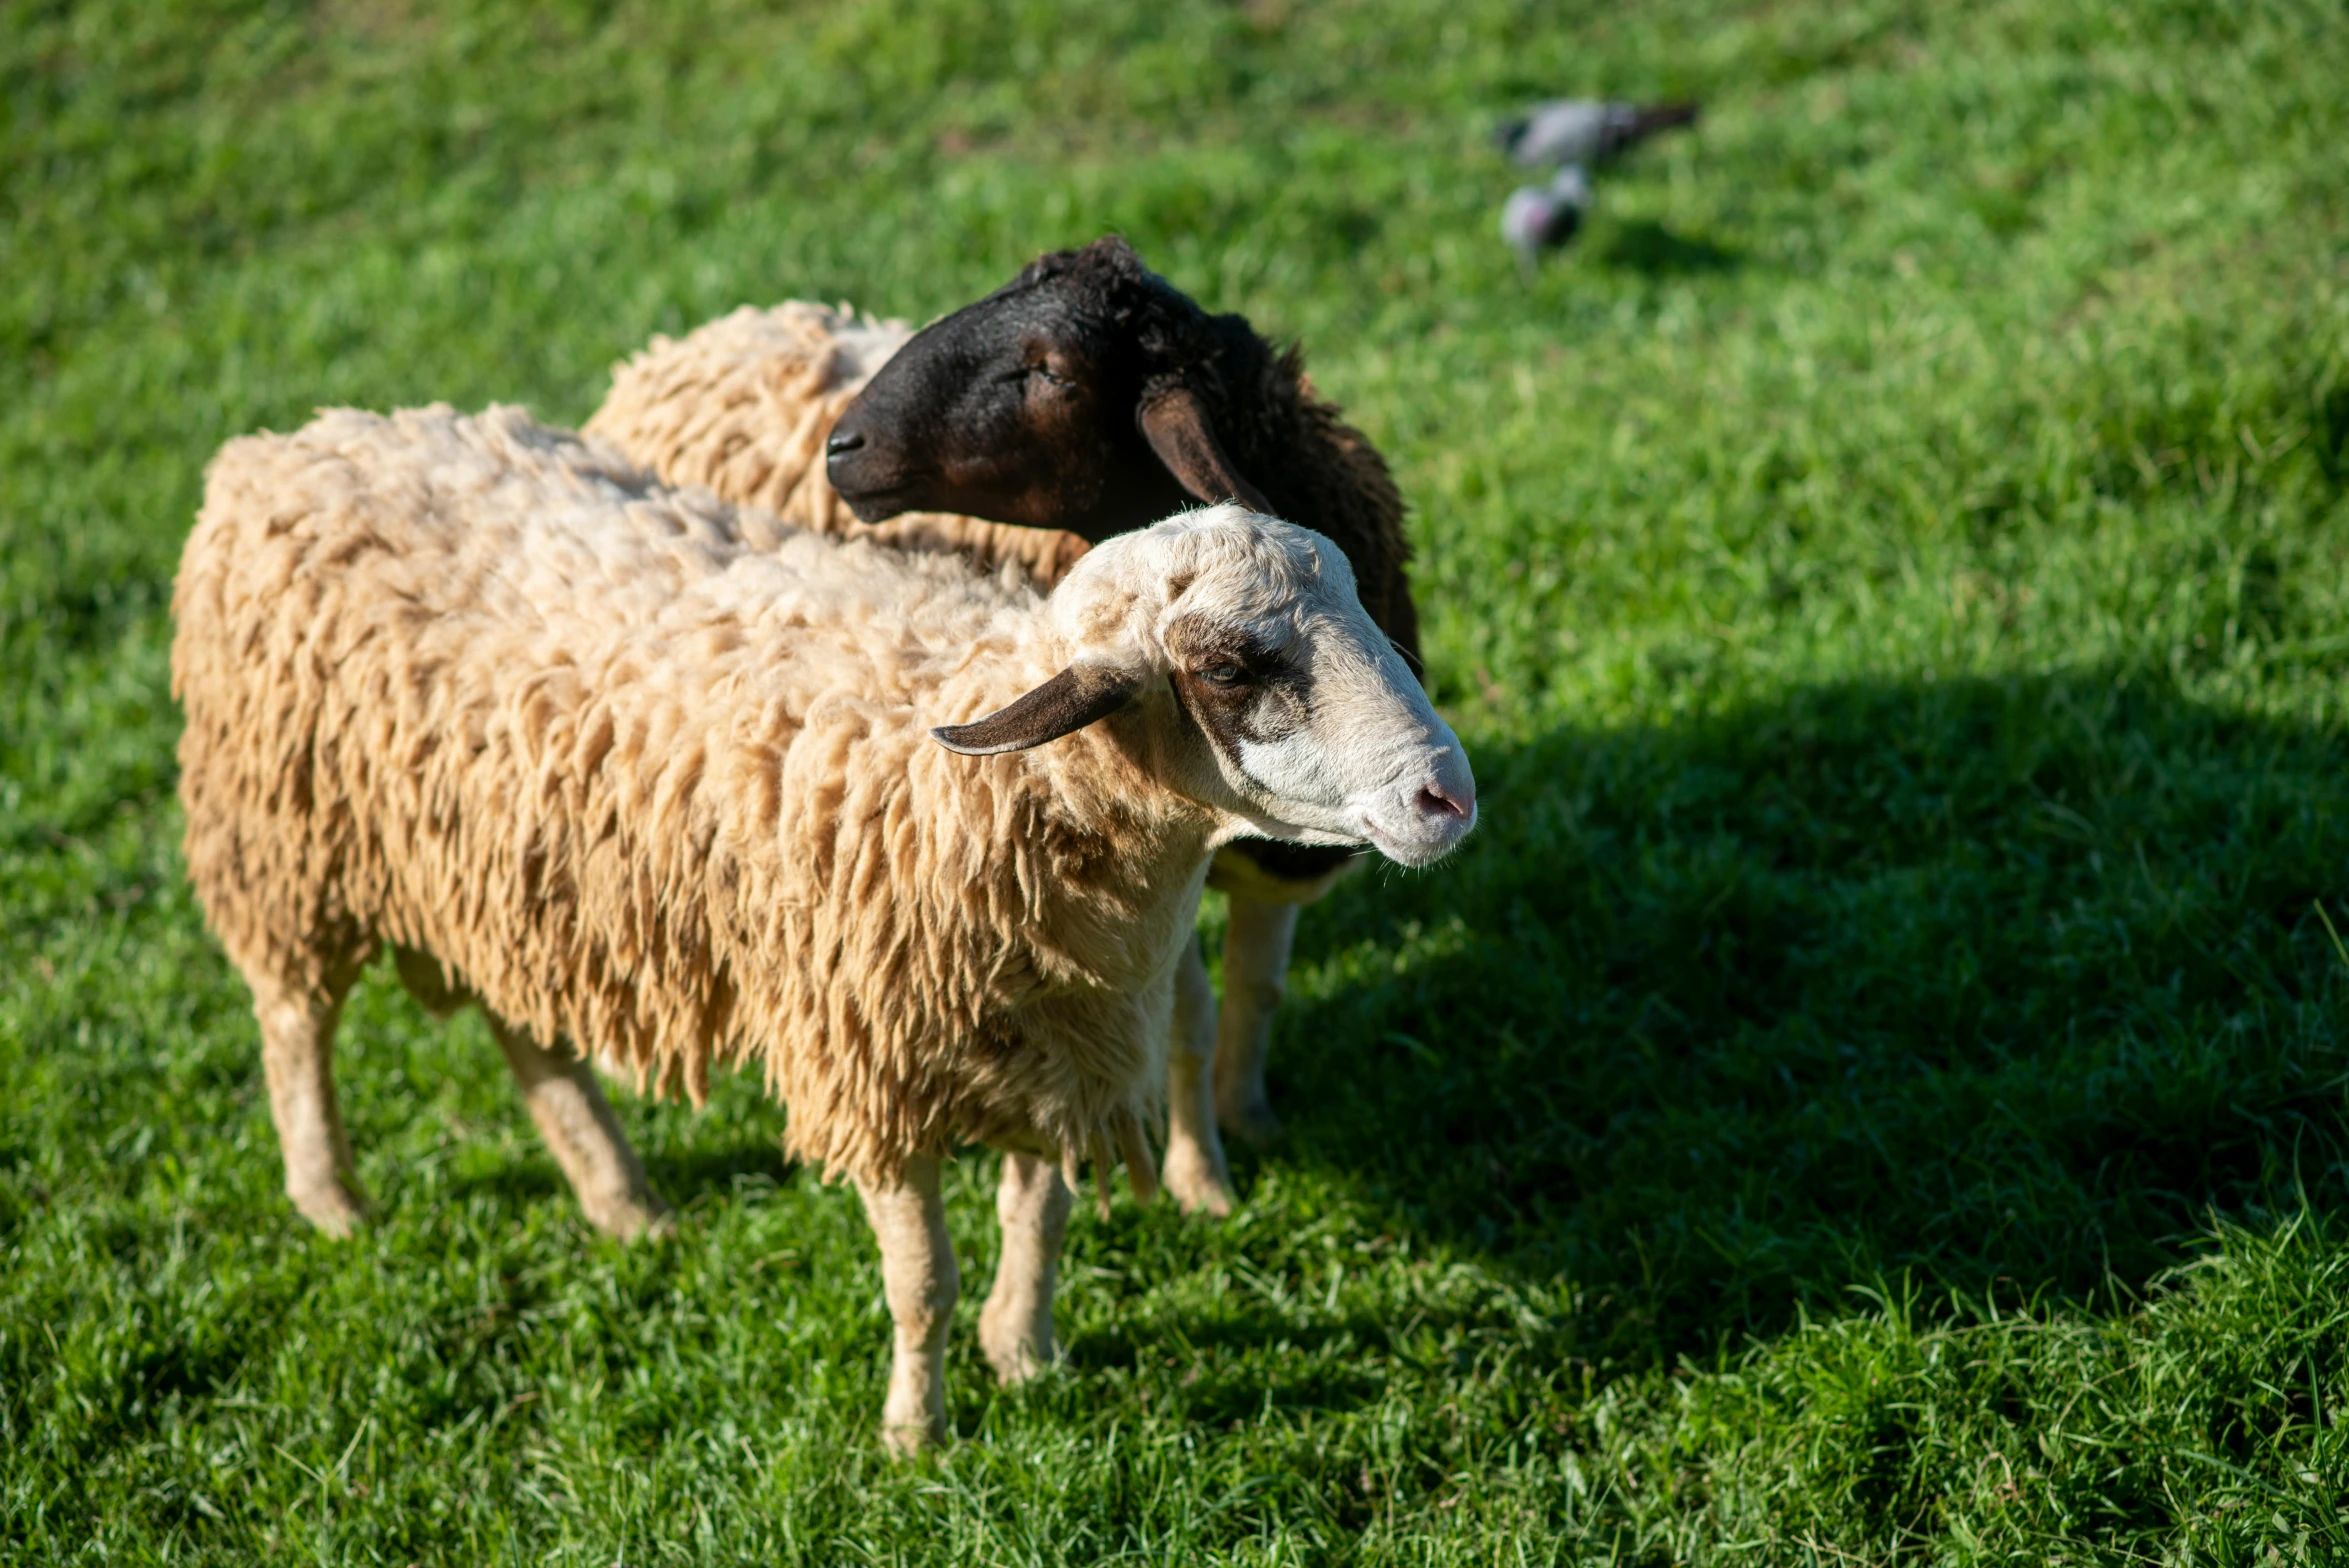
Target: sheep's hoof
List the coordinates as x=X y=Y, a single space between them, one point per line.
x=632 y=1219
x=1017 y=1351
x=1196 y=1179
x=912 y=1439
x=1247 y=1116
x=334 y=1208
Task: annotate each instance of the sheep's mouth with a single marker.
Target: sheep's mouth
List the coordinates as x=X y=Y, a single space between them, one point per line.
x=879 y=503
x=1418 y=852
x=1424 y=843
x=869 y=510
x=878 y=497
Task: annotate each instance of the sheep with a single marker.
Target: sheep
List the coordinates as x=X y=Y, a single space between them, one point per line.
x=661 y=782
x=1087 y=395
x=742 y=405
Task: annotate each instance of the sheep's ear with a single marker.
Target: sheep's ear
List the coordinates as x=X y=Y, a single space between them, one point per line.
x=1063 y=705
x=1175 y=424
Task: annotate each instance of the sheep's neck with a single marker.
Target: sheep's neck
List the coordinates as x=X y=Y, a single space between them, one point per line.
x=1124 y=857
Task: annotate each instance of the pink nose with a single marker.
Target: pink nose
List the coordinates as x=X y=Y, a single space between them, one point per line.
x=1434 y=802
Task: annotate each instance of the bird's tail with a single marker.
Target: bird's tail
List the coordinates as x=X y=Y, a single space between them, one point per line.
x=1649 y=118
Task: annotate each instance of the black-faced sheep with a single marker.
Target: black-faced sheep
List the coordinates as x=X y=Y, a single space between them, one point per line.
x=743 y=404
x=661 y=783
x=1087 y=396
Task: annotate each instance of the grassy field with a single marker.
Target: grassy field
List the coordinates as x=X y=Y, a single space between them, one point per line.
x=1873 y=1090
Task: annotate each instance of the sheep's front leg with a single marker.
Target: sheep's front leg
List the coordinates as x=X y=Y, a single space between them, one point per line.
x=919 y=1278
x=1015 y=1327
x=1255 y=976
x=297 y=1054
x=584 y=1136
x=1195 y=1170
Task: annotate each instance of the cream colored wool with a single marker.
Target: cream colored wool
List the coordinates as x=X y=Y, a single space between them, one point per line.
x=743 y=404
x=651 y=775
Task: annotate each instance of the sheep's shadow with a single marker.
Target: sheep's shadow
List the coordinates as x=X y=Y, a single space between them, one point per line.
x=1642 y=245
x=1241 y=1361
x=683 y=1173
x=686 y=1175
x=2007 y=984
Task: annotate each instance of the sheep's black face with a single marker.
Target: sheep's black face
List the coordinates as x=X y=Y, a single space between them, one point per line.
x=1016 y=408
x=1027 y=407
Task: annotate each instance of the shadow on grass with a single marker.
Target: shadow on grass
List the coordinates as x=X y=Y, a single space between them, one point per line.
x=688 y=1175
x=2005 y=985
x=683 y=1177
x=1640 y=245
x=1241 y=1364
x=2002 y=986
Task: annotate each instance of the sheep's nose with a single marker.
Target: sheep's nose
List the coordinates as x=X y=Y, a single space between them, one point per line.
x=843 y=441
x=1445 y=806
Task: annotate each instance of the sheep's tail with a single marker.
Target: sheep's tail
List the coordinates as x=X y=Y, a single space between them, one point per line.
x=1102 y=1169
x=1141 y=1164
x=1132 y=1144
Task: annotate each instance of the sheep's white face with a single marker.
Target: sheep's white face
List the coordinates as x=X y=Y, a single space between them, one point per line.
x=1289 y=710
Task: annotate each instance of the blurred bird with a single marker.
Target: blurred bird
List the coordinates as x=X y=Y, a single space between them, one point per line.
x=1536 y=218
x=1584 y=131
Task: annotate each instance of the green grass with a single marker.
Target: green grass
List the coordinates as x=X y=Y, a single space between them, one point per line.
x=1873 y=1090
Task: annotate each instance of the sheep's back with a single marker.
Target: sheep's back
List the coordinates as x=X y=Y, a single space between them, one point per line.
x=742 y=405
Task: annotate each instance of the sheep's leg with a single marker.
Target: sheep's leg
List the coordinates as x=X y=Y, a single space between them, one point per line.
x=1015 y=1327
x=1255 y=973
x=585 y=1137
x=1195 y=1171
x=297 y=1053
x=918 y=1275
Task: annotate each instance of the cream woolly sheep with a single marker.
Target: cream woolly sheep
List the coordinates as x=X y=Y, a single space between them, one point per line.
x=1090 y=394
x=654 y=781
x=1086 y=395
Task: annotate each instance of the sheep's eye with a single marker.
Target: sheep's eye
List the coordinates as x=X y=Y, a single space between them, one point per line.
x=1223 y=674
x=1045 y=374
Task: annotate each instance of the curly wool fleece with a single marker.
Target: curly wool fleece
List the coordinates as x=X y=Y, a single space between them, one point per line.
x=652 y=776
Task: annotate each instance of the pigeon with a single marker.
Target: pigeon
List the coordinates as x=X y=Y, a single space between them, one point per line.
x=1584 y=131
x=1537 y=218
